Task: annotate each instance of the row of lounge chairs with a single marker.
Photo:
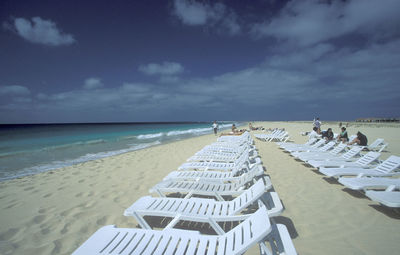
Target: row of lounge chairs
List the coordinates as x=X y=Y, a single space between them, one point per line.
x=230 y=175
x=353 y=169
x=277 y=135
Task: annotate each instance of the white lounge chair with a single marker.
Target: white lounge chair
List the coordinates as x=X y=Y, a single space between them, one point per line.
x=363 y=162
x=363 y=183
x=284 y=145
x=386 y=168
x=283 y=137
x=242 y=162
x=323 y=154
x=378 y=145
x=221 y=156
x=215 y=176
x=318 y=144
x=389 y=197
x=206 y=188
x=225 y=148
x=311 y=151
x=245 y=137
x=201 y=210
x=349 y=156
x=265 y=137
x=256 y=228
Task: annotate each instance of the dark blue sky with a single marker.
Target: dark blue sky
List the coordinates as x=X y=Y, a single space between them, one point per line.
x=179 y=60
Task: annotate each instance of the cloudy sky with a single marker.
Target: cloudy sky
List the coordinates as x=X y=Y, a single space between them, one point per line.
x=191 y=60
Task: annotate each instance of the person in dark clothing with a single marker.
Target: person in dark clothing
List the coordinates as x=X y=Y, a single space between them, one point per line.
x=361 y=139
x=328 y=135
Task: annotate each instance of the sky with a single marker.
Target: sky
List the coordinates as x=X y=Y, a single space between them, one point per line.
x=72 y=61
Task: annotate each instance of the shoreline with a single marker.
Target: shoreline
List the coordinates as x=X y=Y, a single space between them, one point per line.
x=145 y=140
x=55 y=212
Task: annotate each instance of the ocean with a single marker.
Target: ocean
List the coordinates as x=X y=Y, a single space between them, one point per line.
x=31 y=149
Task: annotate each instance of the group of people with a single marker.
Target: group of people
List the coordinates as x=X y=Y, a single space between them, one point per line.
x=234 y=130
x=328 y=135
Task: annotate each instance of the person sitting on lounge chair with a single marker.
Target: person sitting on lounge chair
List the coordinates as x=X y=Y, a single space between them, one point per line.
x=328 y=135
x=343 y=137
x=361 y=139
x=313 y=133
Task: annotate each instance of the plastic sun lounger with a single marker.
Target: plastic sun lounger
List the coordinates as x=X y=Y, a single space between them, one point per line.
x=363 y=183
x=363 y=162
x=221 y=156
x=242 y=163
x=205 y=188
x=257 y=228
x=282 y=137
x=349 y=156
x=214 y=176
x=386 y=168
x=200 y=209
x=318 y=144
x=225 y=148
x=265 y=137
x=389 y=197
x=324 y=154
x=312 y=151
x=378 y=145
x=310 y=141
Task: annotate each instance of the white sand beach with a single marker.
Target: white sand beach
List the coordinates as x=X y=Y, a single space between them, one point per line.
x=55 y=212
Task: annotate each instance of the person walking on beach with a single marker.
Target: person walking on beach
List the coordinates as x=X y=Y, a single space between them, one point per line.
x=317 y=124
x=215 y=127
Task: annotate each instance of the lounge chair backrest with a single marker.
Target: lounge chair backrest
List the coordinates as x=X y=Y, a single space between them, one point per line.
x=375 y=144
x=352 y=152
x=351 y=138
x=247 y=233
x=338 y=148
x=328 y=146
x=247 y=197
x=239 y=163
x=368 y=158
x=311 y=141
x=318 y=144
x=390 y=164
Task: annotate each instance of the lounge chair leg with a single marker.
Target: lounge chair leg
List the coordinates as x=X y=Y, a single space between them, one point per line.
x=215 y=226
x=173 y=221
x=141 y=221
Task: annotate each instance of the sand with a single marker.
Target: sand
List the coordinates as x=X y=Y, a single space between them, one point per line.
x=55 y=212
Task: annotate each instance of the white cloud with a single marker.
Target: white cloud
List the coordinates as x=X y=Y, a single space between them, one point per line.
x=166 y=68
x=40 y=31
x=92 y=83
x=309 y=22
x=14 y=90
x=191 y=12
x=218 y=16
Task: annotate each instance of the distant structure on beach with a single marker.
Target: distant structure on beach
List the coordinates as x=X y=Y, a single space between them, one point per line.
x=378 y=119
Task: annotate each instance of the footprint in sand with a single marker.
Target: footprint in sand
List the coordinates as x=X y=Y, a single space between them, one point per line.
x=47 y=195
x=10 y=233
x=42 y=211
x=12 y=204
x=102 y=221
x=39 y=219
x=65 y=228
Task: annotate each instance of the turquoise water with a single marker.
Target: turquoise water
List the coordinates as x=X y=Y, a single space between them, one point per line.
x=31 y=149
